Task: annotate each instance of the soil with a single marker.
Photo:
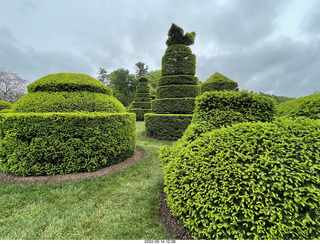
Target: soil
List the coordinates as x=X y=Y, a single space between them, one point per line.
x=171 y=223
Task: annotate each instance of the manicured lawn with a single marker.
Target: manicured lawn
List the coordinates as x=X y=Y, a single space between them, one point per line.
x=123 y=205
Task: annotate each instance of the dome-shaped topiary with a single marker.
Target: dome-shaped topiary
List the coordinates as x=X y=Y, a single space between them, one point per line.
x=308 y=106
x=68 y=92
x=219 y=82
x=5 y=105
x=142 y=101
x=249 y=181
x=67 y=123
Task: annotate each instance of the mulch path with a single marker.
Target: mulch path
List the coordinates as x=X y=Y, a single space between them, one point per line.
x=172 y=224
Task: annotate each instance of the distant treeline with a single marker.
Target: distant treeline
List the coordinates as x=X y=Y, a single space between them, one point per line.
x=279 y=99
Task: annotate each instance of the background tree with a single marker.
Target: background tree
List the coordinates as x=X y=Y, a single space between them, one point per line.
x=123 y=85
x=154 y=77
x=12 y=86
x=103 y=76
x=141 y=69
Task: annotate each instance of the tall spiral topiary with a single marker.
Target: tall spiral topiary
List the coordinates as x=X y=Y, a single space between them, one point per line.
x=142 y=101
x=67 y=123
x=175 y=98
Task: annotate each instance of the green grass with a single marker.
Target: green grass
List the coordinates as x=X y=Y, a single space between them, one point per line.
x=120 y=206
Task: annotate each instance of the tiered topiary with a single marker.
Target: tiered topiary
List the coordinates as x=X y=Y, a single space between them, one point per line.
x=66 y=123
x=175 y=98
x=219 y=82
x=142 y=101
x=5 y=107
x=252 y=180
x=308 y=106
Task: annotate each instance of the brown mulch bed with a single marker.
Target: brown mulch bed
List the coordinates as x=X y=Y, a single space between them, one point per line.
x=172 y=224
x=57 y=179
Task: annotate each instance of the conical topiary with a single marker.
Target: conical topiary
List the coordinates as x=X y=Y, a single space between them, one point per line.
x=142 y=101
x=175 y=98
x=219 y=82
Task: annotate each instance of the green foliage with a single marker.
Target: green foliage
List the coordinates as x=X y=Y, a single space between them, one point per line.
x=178 y=63
x=178 y=91
x=63 y=101
x=178 y=80
x=279 y=99
x=140 y=112
x=176 y=36
x=141 y=69
x=153 y=78
x=218 y=82
x=5 y=105
x=62 y=143
x=68 y=82
x=249 y=181
x=5 y=110
x=166 y=126
x=173 y=105
x=308 y=106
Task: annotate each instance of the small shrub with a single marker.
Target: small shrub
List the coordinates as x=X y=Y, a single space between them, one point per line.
x=252 y=180
x=5 y=105
x=5 y=111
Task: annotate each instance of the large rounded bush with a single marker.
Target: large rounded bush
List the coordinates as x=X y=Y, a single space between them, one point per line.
x=308 y=106
x=253 y=180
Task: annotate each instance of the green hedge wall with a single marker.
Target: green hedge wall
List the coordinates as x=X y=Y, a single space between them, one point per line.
x=249 y=181
x=166 y=126
x=308 y=106
x=173 y=105
x=178 y=63
x=62 y=143
x=140 y=105
x=178 y=80
x=5 y=105
x=143 y=88
x=140 y=113
x=64 y=101
x=68 y=82
x=177 y=91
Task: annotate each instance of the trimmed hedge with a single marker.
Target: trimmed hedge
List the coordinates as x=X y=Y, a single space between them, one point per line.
x=166 y=126
x=140 y=113
x=5 y=111
x=249 y=181
x=68 y=82
x=178 y=80
x=176 y=36
x=178 y=63
x=308 y=106
x=219 y=82
x=44 y=102
x=62 y=143
x=140 y=105
x=173 y=105
x=177 y=91
x=5 y=105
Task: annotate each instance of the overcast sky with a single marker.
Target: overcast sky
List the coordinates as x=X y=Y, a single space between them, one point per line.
x=272 y=46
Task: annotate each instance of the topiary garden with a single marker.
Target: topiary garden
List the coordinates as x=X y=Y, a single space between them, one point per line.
x=142 y=101
x=66 y=123
x=175 y=98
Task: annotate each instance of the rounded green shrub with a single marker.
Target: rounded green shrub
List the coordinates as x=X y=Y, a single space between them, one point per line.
x=177 y=88
x=5 y=105
x=218 y=82
x=252 y=180
x=62 y=143
x=308 y=106
x=72 y=125
x=142 y=100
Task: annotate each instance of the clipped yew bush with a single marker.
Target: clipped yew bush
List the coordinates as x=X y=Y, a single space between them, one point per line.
x=142 y=101
x=174 y=104
x=73 y=125
x=219 y=82
x=252 y=180
x=308 y=106
x=5 y=105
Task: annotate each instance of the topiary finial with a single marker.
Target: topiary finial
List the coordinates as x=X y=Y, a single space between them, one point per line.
x=176 y=36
